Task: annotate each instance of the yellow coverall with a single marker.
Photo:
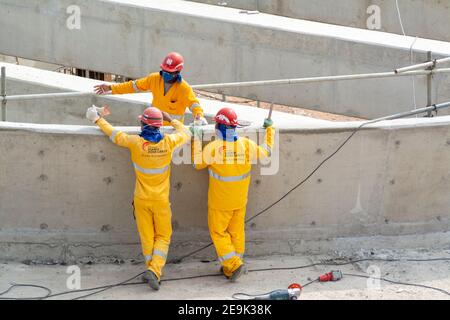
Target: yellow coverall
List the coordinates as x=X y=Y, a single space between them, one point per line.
x=229 y=165
x=151 y=195
x=179 y=97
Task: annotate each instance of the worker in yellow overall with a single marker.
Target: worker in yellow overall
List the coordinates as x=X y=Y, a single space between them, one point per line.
x=228 y=159
x=151 y=154
x=170 y=92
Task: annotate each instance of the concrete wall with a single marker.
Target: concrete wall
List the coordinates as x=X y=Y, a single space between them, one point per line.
x=66 y=191
x=421 y=18
x=235 y=47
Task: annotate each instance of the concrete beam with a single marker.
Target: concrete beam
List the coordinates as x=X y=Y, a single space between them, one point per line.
x=421 y=18
x=234 y=47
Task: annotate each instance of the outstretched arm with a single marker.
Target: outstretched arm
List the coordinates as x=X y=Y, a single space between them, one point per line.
x=118 y=137
x=134 y=86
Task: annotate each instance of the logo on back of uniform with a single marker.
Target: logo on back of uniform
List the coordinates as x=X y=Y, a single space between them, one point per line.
x=169 y=61
x=144 y=145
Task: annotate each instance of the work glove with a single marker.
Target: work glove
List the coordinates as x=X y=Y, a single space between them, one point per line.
x=267 y=123
x=199 y=121
x=94 y=113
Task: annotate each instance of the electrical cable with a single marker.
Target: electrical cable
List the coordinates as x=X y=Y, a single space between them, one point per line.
x=411 y=53
x=398 y=282
x=16 y=285
x=125 y=283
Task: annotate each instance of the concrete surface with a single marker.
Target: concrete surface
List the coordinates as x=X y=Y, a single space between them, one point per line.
x=125 y=108
x=431 y=23
x=431 y=273
x=240 y=47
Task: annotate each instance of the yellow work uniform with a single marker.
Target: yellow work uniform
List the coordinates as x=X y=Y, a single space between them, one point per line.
x=229 y=166
x=151 y=194
x=179 y=97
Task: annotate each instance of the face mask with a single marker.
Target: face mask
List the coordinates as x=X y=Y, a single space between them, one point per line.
x=170 y=77
x=151 y=134
x=226 y=133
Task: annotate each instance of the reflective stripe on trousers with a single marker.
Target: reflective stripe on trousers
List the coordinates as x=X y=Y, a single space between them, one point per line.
x=151 y=171
x=229 y=178
x=148 y=258
x=227 y=256
x=160 y=253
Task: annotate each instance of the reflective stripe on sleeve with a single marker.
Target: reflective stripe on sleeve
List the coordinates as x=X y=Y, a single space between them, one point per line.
x=267 y=148
x=150 y=171
x=229 y=178
x=135 y=88
x=113 y=135
x=194 y=105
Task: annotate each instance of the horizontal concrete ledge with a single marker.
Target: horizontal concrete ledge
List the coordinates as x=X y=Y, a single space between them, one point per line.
x=48 y=252
x=325 y=127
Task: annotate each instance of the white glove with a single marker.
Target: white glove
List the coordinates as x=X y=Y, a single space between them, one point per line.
x=92 y=114
x=202 y=121
x=199 y=122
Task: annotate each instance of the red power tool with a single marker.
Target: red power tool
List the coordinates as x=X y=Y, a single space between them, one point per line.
x=331 y=276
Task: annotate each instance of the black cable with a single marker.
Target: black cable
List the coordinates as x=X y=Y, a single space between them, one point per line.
x=125 y=283
x=398 y=282
x=15 y=285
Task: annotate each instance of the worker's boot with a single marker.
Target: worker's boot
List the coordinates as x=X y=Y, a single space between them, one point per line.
x=237 y=273
x=221 y=271
x=151 y=279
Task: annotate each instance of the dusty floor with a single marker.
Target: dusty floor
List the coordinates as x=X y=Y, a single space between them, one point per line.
x=282 y=108
x=430 y=273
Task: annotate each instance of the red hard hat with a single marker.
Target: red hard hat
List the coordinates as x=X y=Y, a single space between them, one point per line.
x=173 y=62
x=152 y=116
x=226 y=116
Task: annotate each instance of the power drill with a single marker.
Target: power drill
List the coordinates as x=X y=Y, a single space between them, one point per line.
x=291 y=293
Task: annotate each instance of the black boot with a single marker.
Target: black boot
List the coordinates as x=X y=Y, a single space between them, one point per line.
x=152 y=280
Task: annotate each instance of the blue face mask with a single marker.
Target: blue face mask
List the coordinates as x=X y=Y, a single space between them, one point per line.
x=151 y=134
x=170 y=77
x=227 y=133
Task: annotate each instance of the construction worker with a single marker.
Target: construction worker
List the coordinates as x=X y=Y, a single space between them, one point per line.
x=151 y=154
x=228 y=159
x=170 y=92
